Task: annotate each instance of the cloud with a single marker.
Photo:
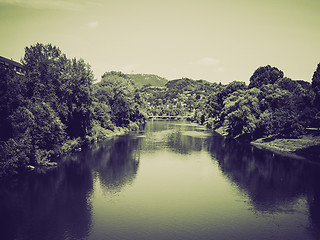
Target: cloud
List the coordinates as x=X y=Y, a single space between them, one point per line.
x=208 y=61
x=52 y=4
x=92 y=24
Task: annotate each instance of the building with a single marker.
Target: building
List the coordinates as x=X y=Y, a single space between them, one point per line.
x=10 y=64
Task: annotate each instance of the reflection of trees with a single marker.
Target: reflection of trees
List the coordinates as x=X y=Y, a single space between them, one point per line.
x=269 y=179
x=51 y=206
x=117 y=163
x=169 y=134
x=56 y=205
x=314 y=210
x=185 y=144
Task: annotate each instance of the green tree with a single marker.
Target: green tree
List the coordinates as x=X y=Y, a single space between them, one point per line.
x=102 y=114
x=286 y=118
x=265 y=75
x=5 y=78
x=316 y=86
x=302 y=100
x=119 y=92
x=242 y=112
x=120 y=97
x=64 y=84
x=44 y=108
x=215 y=101
x=44 y=65
x=76 y=98
x=37 y=133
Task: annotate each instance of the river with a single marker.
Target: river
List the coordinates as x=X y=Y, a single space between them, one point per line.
x=172 y=180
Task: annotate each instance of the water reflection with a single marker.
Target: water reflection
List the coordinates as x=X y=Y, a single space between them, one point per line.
x=182 y=138
x=52 y=206
x=314 y=209
x=115 y=162
x=273 y=182
x=175 y=180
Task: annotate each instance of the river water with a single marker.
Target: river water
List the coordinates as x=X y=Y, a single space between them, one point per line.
x=173 y=180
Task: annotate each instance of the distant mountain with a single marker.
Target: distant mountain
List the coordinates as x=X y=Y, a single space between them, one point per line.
x=152 y=80
x=141 y=80
x=187 y=84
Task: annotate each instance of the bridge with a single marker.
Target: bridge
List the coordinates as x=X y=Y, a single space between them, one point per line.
x=170 y=117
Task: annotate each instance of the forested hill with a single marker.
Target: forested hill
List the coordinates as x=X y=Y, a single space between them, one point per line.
x=187 y=84
x=179 y=85
x=142 y=80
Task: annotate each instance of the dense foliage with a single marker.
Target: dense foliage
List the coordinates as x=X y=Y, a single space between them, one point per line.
x=316 y=86
x=54 y=107
x=271 y=105
x=116 y=103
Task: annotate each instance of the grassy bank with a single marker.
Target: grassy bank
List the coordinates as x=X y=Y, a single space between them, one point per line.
x=299 y=147
x=304 y=147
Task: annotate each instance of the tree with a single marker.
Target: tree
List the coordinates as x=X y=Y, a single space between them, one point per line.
x=37 y=133
x=286 y=118
x=242 y=112
x=316 y=79
x=102 y=114
x=265 y=75
x=76 y=98
x=42 y=123
x=62 y=83
x=302 y=100
x=215 y=100
x=44 y=66
x=5 y=77
x=316 y=86
x=118 y=92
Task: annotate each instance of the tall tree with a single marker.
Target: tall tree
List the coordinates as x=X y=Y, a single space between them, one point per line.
x=44 y=65
x=265 y=75
x=63 y=83
x=316 y=86
x=242 y=112
x=5 y=77
x=118 y=91
x=76 y=97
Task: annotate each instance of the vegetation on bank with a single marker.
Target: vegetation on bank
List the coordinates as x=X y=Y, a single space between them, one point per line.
x=272 y=106
x=274 y=113
x=55 y=107
x=288 y=145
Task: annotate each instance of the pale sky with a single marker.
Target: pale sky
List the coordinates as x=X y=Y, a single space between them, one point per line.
x=218 y=41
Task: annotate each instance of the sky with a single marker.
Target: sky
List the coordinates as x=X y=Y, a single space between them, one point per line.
x=218 y=41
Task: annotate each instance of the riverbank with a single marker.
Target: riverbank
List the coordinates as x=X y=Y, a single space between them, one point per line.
x=306 y=146
x=288 y=145
x=98 y=134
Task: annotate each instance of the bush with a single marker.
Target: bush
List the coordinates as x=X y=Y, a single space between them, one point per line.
x=133 y=126
x=14 y=155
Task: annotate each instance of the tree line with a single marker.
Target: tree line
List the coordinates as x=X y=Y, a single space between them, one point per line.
x=271 y=105
x=55 y=107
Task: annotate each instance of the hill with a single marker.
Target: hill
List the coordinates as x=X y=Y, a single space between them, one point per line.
x=187 y=84
x=141 y=80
